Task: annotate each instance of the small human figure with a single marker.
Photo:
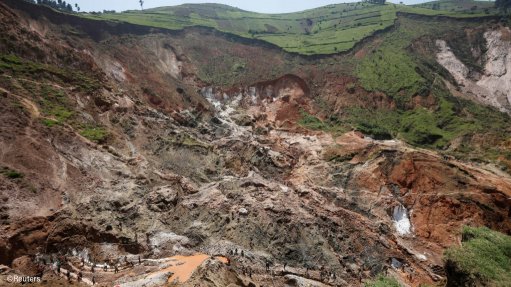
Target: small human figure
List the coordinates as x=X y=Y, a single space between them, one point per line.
x=93 y=280
x=116 y=269
x=105 y=268
x=139 y=261
x=267 y=266
x=92 y=268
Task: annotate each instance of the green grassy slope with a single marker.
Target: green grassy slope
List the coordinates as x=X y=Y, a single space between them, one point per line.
x=324 y=30
x=487 y=7
x=483 y=259
x=390 y=65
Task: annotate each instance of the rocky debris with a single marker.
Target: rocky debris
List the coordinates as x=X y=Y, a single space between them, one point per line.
x=162 y=199
x=26 y=266
x=124 y=104
x=243 y=211
x=187 y=185
x=293 y=280
x=168 y=243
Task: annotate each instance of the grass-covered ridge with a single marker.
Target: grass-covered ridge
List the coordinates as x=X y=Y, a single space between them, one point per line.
x=323 y=30
x=484 y=258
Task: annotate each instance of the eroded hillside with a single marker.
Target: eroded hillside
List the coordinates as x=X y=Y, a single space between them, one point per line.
x=133 y=155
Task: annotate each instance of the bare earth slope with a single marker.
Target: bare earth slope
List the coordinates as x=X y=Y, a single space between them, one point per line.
x=116 y=154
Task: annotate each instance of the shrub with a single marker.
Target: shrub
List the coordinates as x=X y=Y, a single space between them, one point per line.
x=311 y=122
x=11 y=174
x=95 y=134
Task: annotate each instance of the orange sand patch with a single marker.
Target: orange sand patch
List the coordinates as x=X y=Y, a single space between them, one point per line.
x=222 y=259
x=184 y=267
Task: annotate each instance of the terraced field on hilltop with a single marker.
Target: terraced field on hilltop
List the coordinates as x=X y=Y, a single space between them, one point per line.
x=325 y=30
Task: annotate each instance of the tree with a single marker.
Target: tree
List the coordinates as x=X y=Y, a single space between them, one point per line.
x=77 y=7
x=141 y=4
x=59 y=5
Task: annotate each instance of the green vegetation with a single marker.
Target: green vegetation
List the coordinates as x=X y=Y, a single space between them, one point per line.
x=11 y=174
x=324 y=30
x=54 y=105
x=332 y=125
x=19 y=67
x=94 y=133
x=435 y=128
x=484 y=257
x=383 y=281
x=46 y=84
x=311 y=122
x=487 y=7
x=389 y=67
x=223 y=69
x=59 y=5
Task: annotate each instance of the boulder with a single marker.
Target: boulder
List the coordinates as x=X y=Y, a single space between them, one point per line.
x=162 y=199
x=243 y=211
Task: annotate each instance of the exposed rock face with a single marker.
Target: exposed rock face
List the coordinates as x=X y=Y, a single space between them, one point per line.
x=447 y=59
x=497 y=73
x=494 y=86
